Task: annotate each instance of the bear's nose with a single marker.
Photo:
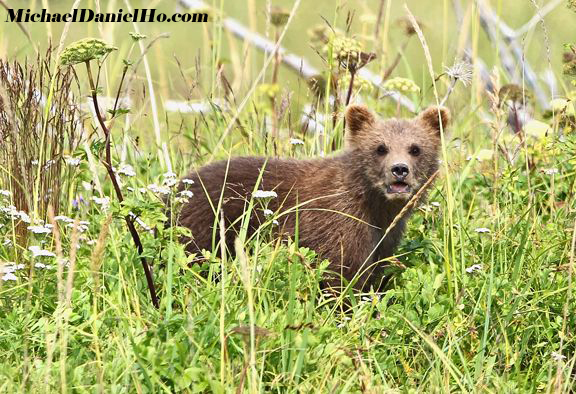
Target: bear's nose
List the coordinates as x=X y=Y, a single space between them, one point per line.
x=400 y=171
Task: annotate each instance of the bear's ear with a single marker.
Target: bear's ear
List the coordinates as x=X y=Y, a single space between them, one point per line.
x=435 y=118
x=358 y=117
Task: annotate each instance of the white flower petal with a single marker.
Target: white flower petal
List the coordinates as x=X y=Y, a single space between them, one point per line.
x=264 y=194
x=45 y=229
x=473 y=268
x=9 y=276
x=72 y=161
x=126 y=170
x=38 y=252
x=62 y=218
x=186 y=193
x=557 y=356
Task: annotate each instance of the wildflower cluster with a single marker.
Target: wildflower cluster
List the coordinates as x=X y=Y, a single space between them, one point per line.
x=137 y=36
x=348 y=53
x=345 y=49
x=7 y=270
x=360 y=84
x=401 y=85
x=14 y=214
x=269 y=90
x=85 y=50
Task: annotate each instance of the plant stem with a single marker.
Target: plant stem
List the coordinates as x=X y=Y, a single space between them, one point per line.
x=108 y=166
x=449 y=91
x=348 y=97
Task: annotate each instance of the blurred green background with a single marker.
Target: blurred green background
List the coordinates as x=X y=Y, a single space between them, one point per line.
x=186 y=51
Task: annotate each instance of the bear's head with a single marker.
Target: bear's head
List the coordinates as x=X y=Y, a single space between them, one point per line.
x=395 y=156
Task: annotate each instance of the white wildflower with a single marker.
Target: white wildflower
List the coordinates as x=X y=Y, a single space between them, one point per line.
x=81 y=227
x=551 y=171
x=346 y=319
x=169 y=182
x=296 y=141
x=268 y=212
x=264 y=194
x=91 y=242
x=186 y=193
x=474 y=268
x=42 y=266
x=87 y=186
x=13 y=213
x=103 y=201
x=461 y=71
x=170 y=179
x=24 y=217
x=62 y=218
x=41 y=229
x=64 y=262
x=49 y=164
x=5 y=193
x=34 y=162
x=72 y=161
x=126 y=170
x=557 y=356
x=482 y=230
x=188 y=181
x=9 y=276
x=141 y=222
x=154 y=188
x=8 y=210
x=38 y=252
x=275 y=222
x=7 y=242
x=10 y=267
x=435 y=204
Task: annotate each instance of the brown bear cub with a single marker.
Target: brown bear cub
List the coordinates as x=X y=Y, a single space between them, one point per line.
x=343 y=203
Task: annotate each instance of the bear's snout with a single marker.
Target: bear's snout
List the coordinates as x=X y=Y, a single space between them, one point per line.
x=400 y=171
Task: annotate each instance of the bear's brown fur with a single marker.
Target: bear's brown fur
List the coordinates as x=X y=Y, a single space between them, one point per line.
x=345 y=202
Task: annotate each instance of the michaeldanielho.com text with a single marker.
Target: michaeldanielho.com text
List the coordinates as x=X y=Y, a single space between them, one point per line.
x=87 y=15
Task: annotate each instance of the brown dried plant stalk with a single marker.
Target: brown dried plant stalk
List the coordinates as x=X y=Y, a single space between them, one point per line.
x=108 y=165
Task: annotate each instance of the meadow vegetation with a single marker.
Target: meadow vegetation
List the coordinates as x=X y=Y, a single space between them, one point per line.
x=481 y=296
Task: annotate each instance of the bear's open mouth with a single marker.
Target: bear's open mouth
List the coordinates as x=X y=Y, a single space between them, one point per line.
x=398 y=187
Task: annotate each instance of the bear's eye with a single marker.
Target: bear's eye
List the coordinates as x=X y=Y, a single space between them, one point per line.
x=414 y=150
x=382 y=150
